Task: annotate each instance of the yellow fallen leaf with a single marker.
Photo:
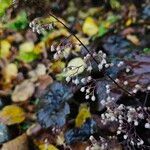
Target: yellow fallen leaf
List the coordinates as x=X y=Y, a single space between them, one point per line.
x=10 y=72
x=83 y=114
x=107 y=25
x=128 y=22
x=90 y=27
x=57 y=66
x=4 y=49
x=12 y=114
x=47 y=147
x=39 y=48
x=26 y=47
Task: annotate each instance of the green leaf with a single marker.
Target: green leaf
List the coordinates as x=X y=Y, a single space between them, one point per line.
x=27 y=57
x=19 y=23
x=146 y=50
x=4 y=4
x=112 y=18
x=24 y=126
x=102 y=30
x=106 y=24
x=115 y=4
x=27 y=53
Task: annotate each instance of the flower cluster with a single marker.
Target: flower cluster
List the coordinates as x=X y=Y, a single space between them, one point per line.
x=103 y=143
x=128 y=118
x=60 y=50
x=99 y=58
x=40 y=28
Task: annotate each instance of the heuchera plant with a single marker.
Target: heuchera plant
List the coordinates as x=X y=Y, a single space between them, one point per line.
x=127 y=118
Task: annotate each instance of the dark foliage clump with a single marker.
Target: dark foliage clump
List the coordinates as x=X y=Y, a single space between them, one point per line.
x=53 y=106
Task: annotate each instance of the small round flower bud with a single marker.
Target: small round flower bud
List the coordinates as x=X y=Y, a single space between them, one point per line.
x=134 y=91
x=107 y=91
x=89 y=68
x=141 y=142
x=120 y=64
x=82 y=89
x=117 y=80
x=107 y=65
x=89 y=78
x=127 y=70
x=141 y=116
x=125 y=136
x=100 y=67
x=136 y=123
x=129 y=119
x=88 y=55
x=83 y=80
x=118 y=132
x=120 y=121
x=137 y=86
x=56 y=57
x=76 y=81
x=148 y=88
x=87 y=97
x=87 y=90
x=68 y=79
x=52 y=48
x=104 y=55
x=93 y=98
x=125 y=82
x=147 y=125
x=107 y=86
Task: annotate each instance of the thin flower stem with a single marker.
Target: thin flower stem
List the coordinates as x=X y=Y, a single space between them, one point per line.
x=127 y=92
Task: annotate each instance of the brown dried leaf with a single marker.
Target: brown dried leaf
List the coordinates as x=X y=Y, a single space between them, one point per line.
x=39 y=71
x=139 y=74
x=19 y=143
x=80 y=146
x=23 y=91
x=44 y=81
x=133 y=39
